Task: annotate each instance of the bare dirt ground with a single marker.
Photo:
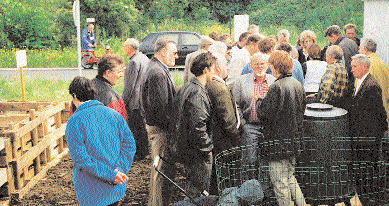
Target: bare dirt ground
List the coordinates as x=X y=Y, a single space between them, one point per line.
x=57 y=187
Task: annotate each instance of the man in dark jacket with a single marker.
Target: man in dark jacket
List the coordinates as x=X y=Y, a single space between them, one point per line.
x=193 y=126
x=223 y=113
x=134 y=76
x=349 y=48
x=281 y=115
x=367 y=120
x=158 y=92
x=109 y=71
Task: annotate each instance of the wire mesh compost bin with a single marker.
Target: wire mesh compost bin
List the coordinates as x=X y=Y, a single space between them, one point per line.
x=324 y=171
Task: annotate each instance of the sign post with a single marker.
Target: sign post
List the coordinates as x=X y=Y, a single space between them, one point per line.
x=21 y=61
x=241 y=23
x=76 y=18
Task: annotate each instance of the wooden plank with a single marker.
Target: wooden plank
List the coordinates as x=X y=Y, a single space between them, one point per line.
x=55 y=152
x=17 y=133
x=61 y=144
x=46 y=152
x=23 y=149
x=15 y=118
x=50 y=124
x=29 y=173
x=16 y=148
x=21 y=106
x=11 y=179
x=57 y=120
x=18 y=179
x=38 y=120
x=35 y=139
x=49 y=156
x=43 y=134
x=18 y=194
x=51 y=138
x=26 y=142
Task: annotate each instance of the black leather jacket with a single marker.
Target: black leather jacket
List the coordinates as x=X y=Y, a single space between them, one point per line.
x=192 y=139
x=281 y=114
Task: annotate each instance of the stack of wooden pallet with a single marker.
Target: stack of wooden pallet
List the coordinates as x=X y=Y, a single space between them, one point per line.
x=32 y=139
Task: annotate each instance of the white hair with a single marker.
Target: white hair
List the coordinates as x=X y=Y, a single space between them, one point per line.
x=261 y=56
x=363 y=59
x=218 y=47
x=221 y=59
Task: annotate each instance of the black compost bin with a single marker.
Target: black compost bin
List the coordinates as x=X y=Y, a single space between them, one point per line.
x=324 y=167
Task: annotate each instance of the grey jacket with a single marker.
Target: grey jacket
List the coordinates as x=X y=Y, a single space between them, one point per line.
x=244 y=87
x=134 y=76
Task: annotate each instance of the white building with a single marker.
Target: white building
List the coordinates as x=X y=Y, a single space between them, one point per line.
x=376 y=25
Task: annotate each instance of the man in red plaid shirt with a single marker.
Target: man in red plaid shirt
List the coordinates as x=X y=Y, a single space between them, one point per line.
x=248 y=89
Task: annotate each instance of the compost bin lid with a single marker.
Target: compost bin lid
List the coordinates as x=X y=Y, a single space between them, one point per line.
x=321 y=111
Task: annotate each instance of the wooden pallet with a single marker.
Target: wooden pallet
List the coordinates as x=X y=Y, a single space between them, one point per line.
x=32 y=140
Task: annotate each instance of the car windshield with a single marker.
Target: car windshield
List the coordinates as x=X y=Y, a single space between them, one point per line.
x=171 y=36
x=190 y=39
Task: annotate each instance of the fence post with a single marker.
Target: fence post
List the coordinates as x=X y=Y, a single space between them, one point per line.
x=34 y=137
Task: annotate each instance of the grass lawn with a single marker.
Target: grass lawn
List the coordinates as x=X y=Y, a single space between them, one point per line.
x=51 y=90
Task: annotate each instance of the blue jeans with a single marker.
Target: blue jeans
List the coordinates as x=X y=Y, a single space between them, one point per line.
x=253 y=166
x=284 y=182
x=250 y=137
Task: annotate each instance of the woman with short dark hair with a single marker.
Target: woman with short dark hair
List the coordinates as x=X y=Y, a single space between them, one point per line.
x=101 y=146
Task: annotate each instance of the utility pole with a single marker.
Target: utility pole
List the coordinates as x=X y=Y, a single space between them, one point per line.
x=76 y=17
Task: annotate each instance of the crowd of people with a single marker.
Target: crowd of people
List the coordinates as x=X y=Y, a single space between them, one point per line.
x=233 y=95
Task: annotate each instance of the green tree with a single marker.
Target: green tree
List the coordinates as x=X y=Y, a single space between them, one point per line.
x=224 y=10
x=25 y=25
x=113 y=18
x=306 y=14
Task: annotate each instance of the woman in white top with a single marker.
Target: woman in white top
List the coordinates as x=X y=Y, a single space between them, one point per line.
x=313 y=69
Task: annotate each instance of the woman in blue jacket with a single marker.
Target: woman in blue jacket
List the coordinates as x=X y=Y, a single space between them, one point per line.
x=101 y=146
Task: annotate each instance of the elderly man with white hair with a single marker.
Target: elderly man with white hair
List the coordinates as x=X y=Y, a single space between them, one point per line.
x=248 y=91
x=134 y=75
x=225 y=120
x=367 y=119
x=378 y=69
x=205 y=43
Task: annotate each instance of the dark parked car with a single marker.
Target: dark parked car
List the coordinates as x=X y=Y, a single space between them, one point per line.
x=188 y=42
